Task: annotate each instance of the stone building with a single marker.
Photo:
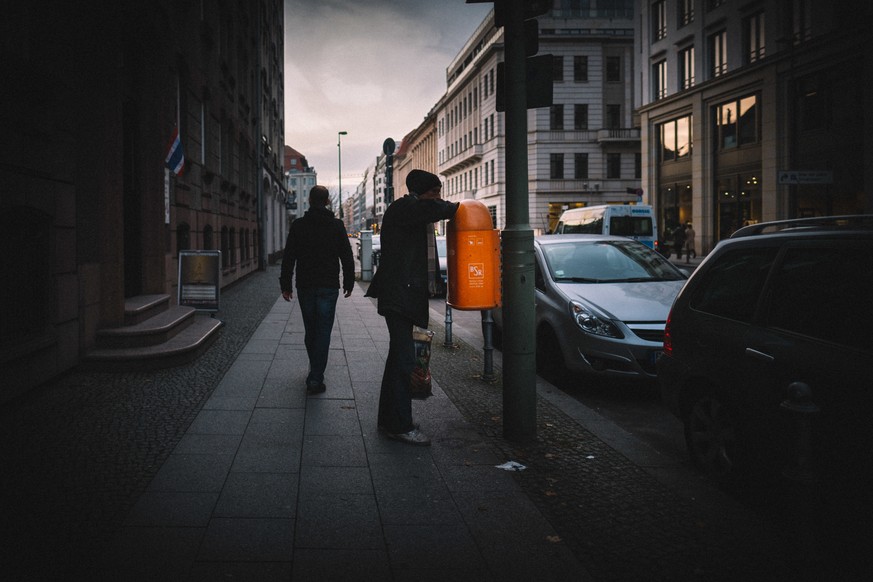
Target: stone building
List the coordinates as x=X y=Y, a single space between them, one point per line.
x=583 y=150
x=300 y=177
x=754 y=110
x=92 y=219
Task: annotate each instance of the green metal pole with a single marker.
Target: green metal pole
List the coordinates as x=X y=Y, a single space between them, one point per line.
x=519 y=377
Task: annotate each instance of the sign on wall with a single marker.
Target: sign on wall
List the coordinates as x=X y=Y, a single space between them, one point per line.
x=200 y=279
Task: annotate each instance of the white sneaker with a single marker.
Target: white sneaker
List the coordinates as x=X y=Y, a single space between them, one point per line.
x=413 y=437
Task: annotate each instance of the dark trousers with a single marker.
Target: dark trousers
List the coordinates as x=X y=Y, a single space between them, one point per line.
x=395 y=404
x=318 y=307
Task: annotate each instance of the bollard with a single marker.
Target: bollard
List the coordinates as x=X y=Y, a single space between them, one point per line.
x=800 y=474
x=488 y=348
x=448 y=343
x=801 y=408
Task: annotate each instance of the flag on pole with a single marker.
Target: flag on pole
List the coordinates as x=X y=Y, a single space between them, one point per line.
x=175 y=156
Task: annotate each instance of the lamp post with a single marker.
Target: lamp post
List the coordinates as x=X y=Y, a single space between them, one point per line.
x=339 y=149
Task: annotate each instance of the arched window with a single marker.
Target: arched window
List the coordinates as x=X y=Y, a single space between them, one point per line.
x=225 y=247
x=183 y=237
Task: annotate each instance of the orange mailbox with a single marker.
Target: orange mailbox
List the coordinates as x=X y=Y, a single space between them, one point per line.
x=473 y=248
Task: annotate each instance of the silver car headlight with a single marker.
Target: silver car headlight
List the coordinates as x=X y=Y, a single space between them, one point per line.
x=591 y=323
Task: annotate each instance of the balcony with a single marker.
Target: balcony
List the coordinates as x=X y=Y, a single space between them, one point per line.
x=618 y=135
x=469 y=157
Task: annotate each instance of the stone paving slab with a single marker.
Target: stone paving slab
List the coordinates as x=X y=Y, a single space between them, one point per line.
x=225 y=469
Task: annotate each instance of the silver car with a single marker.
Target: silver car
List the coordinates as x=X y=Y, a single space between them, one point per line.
x=601 y=304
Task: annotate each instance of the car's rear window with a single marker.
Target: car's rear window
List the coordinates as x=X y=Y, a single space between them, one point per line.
x=732 y=286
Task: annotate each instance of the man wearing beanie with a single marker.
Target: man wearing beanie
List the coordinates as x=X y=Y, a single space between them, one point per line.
x=402 y=287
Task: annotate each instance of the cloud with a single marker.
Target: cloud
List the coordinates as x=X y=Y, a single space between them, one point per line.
x=373 y=68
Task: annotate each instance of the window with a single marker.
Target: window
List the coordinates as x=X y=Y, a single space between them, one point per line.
x=613 y=166
x=686 y=12
x=638 y=165
x=580 y=68
x=557 y=68
x=753 y=32
x=737 y=122
x=808 y=274
x=748 y=121
x=801 y=20
x=718 y=54
x=675 y=139
x=613 y=69
x=207 y=238
x=581 y=166
x=659 y=79
x=613 y=116
x=812 y=105
x=556 y=166
x=492 y=210
x=732 y=286
x=225 y=247
x=580 y=116
x=659 y=20
x=686 y=68
x=183 y=237
x=727 y=125
x=556 y=117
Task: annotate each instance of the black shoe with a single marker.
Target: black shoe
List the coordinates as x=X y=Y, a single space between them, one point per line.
x=316 y=389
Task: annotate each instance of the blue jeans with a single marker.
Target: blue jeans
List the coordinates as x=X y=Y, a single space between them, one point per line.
x=395 y=404
x=318 y=307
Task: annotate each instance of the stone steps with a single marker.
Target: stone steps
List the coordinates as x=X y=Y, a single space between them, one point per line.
x=154 y=336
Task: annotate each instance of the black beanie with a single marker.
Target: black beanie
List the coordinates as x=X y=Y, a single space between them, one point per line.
x=419 y=181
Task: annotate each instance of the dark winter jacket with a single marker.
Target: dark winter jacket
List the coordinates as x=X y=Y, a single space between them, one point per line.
x=317 y=244
x=400 y=283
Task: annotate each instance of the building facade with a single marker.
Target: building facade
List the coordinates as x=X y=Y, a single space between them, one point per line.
x=583 y=150
x=300 y=177
x=91 y=216
x=753 y=111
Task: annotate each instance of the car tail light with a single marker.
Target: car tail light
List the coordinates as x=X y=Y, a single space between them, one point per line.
x=668 y=336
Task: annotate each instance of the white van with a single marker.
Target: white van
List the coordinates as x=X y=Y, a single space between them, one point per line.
x=635 y=221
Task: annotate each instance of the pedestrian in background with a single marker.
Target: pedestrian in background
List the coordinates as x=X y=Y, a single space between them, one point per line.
x=679 y=240
x=402 y=285
x=317 y=244
x=689 y=243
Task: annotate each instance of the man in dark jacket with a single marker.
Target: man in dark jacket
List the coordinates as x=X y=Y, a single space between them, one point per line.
x=317 y=244
x=402 y=284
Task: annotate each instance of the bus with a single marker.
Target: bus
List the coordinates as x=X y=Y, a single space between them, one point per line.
x=635 y=221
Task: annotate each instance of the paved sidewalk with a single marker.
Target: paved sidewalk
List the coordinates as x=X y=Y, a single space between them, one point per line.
x=268 y=484
x=265 y=483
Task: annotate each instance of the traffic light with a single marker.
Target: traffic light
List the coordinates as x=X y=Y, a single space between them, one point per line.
x=539 y=85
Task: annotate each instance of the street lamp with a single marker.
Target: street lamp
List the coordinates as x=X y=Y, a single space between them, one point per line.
x=339 y=148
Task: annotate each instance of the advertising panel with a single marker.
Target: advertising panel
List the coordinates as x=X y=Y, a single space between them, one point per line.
x=200 y=279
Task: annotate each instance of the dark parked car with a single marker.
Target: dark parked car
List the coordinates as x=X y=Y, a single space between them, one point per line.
x=771 y=331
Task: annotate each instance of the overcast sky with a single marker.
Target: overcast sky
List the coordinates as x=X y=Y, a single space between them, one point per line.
x=373 y=68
